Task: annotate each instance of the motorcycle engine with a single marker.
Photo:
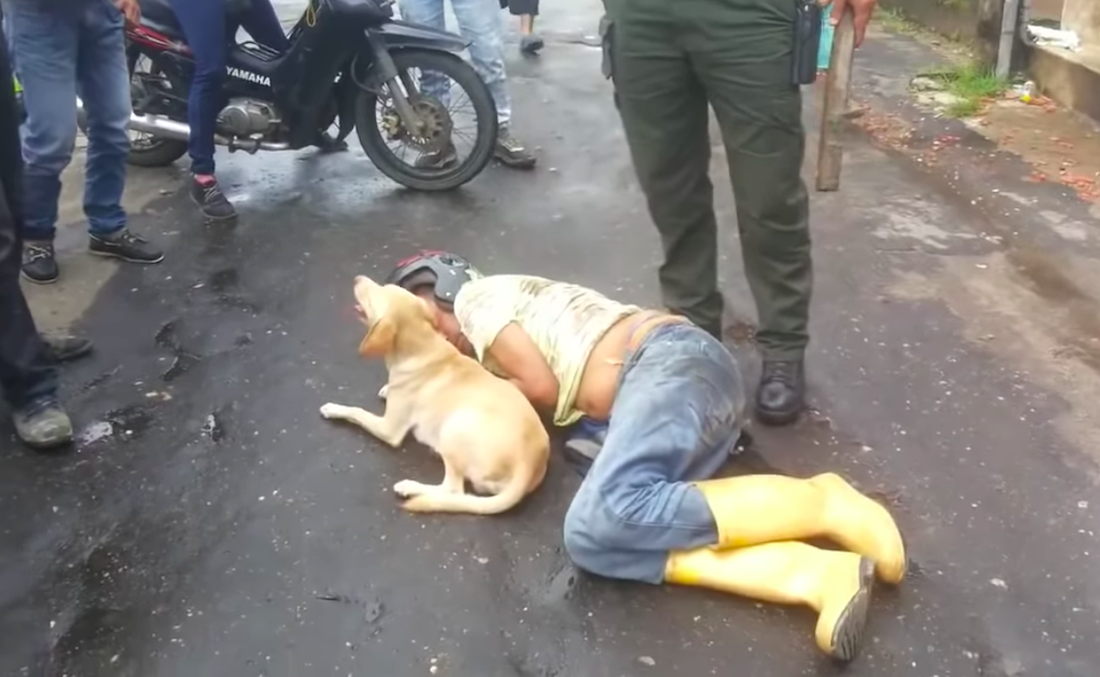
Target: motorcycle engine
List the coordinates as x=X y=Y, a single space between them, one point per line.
x=245 y=117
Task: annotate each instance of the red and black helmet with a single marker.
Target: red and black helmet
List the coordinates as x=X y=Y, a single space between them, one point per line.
x=445 y=272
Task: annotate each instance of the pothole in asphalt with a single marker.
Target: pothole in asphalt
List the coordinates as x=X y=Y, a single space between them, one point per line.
x=129 y=422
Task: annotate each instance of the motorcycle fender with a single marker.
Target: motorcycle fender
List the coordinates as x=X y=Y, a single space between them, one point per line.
x=401 y=35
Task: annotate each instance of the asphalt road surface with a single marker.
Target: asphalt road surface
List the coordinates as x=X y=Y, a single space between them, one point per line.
x=211 y=523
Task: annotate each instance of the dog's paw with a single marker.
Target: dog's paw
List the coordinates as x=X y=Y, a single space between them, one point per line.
x=420 y=503
x=384 y=391
x=331 y=410
x=408 y=489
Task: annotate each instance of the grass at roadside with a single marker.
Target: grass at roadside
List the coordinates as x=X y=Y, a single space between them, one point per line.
x=972 y=85
x=894 y=21
x=969 y=84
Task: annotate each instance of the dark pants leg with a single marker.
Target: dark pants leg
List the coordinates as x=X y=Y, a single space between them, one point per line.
x=263 y=25
x=204 y=26
x=26 y=370
x=208 y=31
x=670 y=59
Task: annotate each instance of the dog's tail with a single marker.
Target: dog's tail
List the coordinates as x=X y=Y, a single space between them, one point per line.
x=507 y=499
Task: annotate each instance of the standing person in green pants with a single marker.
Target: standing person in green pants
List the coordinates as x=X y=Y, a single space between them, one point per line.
x=668 y=61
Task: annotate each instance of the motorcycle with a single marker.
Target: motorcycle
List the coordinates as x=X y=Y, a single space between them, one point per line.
x=349 y=63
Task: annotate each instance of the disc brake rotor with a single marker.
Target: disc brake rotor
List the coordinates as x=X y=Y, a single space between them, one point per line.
x=435 y=125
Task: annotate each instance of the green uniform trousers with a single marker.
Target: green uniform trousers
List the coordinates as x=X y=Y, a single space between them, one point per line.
x=668 y=60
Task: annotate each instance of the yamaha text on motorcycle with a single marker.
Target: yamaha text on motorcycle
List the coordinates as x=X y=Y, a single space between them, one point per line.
x=415 y=103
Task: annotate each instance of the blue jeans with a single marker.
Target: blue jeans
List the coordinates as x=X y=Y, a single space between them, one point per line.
x=208 y=31
x=676 y=419
x=63 y=50
x=479 y=22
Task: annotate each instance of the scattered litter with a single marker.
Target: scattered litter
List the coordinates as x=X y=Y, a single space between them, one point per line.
x=999 y=583
x=1055 y=37
x=1025 y=92
x=646 y=660
x=1083 y=505
x=939 y=100
x=96 y=432
x=923 y=83
x=212 y=428
x=158 y=395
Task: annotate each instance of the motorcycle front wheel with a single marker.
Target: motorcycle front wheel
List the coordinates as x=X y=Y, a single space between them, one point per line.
x=428 y=80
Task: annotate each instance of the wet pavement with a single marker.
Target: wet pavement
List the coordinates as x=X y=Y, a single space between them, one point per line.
x=210 y=522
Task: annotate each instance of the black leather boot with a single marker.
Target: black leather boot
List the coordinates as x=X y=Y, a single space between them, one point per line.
x=782 y=392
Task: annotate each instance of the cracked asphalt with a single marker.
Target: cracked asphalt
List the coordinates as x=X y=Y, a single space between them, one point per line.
x=209 y=522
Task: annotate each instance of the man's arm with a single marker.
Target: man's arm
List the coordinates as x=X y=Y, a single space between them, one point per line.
x=861 y=12
x=518 y=357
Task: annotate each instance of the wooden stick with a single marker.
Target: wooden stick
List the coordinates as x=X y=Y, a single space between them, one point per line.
x=830 y=155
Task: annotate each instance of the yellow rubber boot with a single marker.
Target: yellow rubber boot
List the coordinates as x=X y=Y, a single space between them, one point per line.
x=756 y=509
x=836 y=584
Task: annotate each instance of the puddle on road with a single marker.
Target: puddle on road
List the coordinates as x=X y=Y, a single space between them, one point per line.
x=126 y=423
x=225 y=279
x=130 y=422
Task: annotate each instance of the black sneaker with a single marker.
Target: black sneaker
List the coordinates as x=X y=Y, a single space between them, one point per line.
x=126 y=246
x=530 y=44
x=211 y=200
x=39 y=264
x=440 y=159
x=512 y=152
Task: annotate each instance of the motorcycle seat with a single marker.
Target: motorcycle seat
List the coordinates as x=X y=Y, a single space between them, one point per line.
x=364 y=10
x=158 y=16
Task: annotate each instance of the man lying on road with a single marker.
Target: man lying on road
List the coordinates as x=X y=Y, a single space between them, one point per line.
x=673 y=397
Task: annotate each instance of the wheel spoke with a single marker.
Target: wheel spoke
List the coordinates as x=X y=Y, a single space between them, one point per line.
x=450 y=139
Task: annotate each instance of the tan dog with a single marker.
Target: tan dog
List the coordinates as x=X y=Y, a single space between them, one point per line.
x=484 y=429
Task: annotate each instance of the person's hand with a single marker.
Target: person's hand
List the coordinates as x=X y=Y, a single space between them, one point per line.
x=861 y=11
x=130 y=9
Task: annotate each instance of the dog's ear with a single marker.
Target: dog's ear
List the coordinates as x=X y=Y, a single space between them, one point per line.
x=379 y=339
